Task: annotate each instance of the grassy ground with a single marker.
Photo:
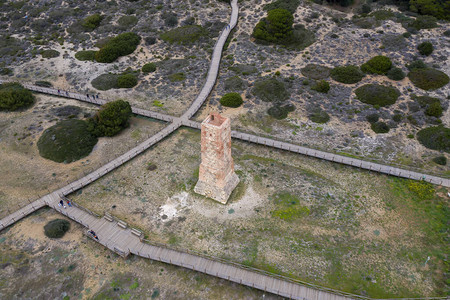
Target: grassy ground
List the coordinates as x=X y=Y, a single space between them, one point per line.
x=24 y=174
x=325 y=223
x=75 y=267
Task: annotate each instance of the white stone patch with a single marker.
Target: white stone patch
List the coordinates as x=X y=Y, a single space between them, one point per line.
x=173 y=206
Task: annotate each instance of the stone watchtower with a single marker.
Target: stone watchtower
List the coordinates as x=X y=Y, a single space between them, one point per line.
x=216 y=175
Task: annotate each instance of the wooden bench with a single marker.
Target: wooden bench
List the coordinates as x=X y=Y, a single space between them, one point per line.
x=122 y=224
x=136 y=232
x=108 y=217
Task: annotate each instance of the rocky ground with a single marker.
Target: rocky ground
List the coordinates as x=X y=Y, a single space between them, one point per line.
x=75 y=267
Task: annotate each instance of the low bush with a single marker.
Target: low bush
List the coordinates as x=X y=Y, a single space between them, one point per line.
x=111 y=118
x=43 y=83
x=127 y=22
x=49 y=53
x=6 y=71
x=149 y=68
x=394 y=42
x=316 y=72
x=231 y=100
x=436 y=138
x=395 y=74
x=56 y=229
x=321 y=86
x=187 y=34
x=290 y=5
x=180 y=76
x=270 y=90
x=373 y=118
x=91 y=22
x=434 y=110
x=423 y=22
x=440 y=160
x=66 y=141
x=234 y=83
x=381 y=15
x=428 y=79
x=347 y=74
x=84 y=55
x=379 y=127
x=280 y=112
x=377 y=65
x=425 y=48
x=105 y=82
x=276 y=27
x=126 y=81
x=376 y=94
x=244 y=69
x=13 y=96
x=416 y=64
x=319 y=116
x=121 y=45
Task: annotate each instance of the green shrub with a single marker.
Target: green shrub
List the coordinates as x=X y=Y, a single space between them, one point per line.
x=321 y=86
x=6 y=71
x=105 y=82
x=270 y=90
x=149 y=68
x=127 y=21
x=381 y=15
x=280 y=112
x=379 y=127
x=416 y=64
x=428 y=79
x=92 y=22
x=440 y=160
x=397 y=117
x=66 y=141
x=425 y=48
x=434 y=110
x=423 y=22
x=234 y=83
x=373 y=118
x=436 y=138
x=319 y=116
x=125 y=81
x=56 y=229
x=121 y=45
x=316 y=72
x=276 y=28
x=347 y=74
x=85 y=55
x=111 y=118
x=376 y=94
x=180 y=76
x=438 y=9
x=231 y=100
x=395 y=74
x=244 y=69
x=394 y=42
x=187 y=34
x=49 y=53
x=290 y=5
x=377 y=65
x=14 y=96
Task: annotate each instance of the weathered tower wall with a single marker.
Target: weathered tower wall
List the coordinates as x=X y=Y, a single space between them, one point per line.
x=216 y=175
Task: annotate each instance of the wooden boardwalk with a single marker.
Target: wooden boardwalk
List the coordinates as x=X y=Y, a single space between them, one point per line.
x=123 y=242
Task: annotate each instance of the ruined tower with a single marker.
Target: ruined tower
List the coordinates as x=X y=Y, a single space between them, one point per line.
x=216 y=175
